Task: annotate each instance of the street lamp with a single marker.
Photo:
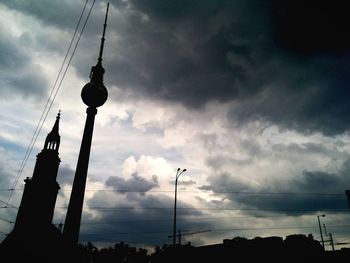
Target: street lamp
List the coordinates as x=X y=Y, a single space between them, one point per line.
x=178 y=173
x=319 y=225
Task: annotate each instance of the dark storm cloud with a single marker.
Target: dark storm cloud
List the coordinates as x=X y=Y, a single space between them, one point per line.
x=236 y=50
x=135 y=184
x=141 y=219
x=283 y=62
x=181 y=52
x=194 y=52
x=311 y=98
x=18 y=73
x=138 y=218
x=54 y=13
x=311 y=192
x=184 y=183
x=65 y=175
x=179 y=9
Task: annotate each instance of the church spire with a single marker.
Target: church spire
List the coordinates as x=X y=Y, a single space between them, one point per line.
x=52 y=141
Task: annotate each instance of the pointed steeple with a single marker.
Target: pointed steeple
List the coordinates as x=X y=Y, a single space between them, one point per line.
x=52 y=141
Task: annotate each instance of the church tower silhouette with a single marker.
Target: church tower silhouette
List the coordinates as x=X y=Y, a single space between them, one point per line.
x=40 y=192
x=34 y=237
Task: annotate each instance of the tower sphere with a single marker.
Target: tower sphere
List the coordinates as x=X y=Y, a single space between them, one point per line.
x=94 y=95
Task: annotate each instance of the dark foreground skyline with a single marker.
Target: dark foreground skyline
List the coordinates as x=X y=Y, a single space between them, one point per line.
x=296 y=247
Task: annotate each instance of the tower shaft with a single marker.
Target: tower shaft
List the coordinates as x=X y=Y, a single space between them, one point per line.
x=75 y=207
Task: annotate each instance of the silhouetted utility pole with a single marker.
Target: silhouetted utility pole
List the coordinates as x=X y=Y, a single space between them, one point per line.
x=347 y=193
x=330 y=236
x=325 y=230
x=331 y=240
x=179 y=235
x=319 y=225
x=178 y=173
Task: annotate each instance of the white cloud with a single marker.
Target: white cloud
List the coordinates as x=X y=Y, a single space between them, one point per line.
x=148 y=167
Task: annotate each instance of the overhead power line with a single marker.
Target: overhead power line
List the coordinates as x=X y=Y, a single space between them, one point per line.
x=188 y=219
x=197 y=218
x=106 y=208
x=6 y=220
x=211 y=230
x=53 y=94
x=193 y=191
x=8 y=204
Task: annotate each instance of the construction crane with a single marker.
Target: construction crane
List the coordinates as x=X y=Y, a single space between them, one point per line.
x=179 y=234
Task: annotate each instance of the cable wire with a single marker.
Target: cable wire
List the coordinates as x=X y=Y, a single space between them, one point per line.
x=51 y=99
x=186 y=191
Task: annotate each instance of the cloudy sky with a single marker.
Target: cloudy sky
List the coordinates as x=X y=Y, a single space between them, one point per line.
x=250 y=96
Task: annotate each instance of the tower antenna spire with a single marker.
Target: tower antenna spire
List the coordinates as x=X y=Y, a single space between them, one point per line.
x=103 y=36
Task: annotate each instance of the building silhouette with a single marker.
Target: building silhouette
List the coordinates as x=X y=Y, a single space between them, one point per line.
x=34 y=236
x=40 y=192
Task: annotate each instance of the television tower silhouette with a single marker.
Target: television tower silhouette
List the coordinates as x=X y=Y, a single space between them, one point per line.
x=94 y=94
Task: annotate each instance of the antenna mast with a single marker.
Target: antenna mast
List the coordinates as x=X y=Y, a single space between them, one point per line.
x=103 y=36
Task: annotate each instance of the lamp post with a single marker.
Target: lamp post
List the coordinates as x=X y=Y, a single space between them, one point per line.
x=319 y=225
x=178 y=173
